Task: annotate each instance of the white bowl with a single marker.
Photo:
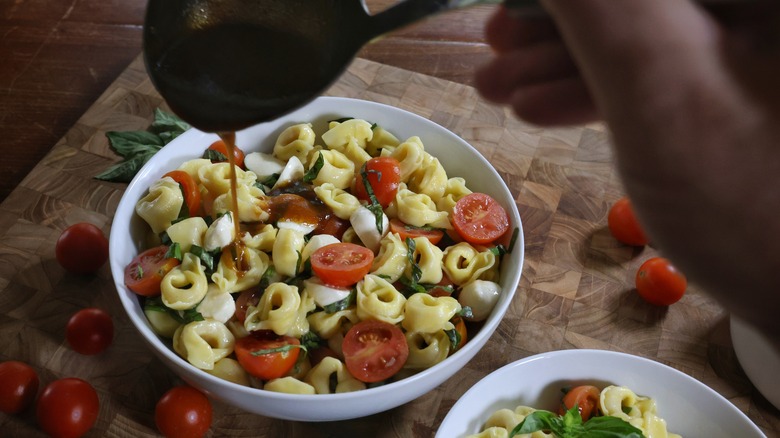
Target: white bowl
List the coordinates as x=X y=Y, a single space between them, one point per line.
x=689 y=407
x=758 y=357
x=457 y=157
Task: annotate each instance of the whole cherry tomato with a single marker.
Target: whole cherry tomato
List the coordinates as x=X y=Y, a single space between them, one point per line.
x=89 y=331
x=624 y=225
x=659 y=282
x=183 y=412
x=67 y=408
x=383 y=174
x=220 y=147
x=18 y=386
x=82 y=248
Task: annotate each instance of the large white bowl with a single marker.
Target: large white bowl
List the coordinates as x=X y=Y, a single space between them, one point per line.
x=689 y=407
x=457 y=157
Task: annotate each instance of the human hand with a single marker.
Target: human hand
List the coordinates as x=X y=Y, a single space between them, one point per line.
x=692 y=101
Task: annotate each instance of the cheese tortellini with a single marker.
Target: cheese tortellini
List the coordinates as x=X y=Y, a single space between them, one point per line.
x=247 y=256
x=614 y=401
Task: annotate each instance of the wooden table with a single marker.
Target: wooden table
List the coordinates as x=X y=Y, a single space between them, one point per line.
x=71 y=72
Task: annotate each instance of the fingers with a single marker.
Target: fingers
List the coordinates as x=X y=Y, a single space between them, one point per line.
x=506 y=30
x=536 y=64
x=560 y=102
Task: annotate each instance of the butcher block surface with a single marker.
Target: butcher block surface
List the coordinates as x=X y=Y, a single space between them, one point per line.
x=576 y=289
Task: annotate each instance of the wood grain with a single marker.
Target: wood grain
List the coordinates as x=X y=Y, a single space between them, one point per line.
x=576 y=289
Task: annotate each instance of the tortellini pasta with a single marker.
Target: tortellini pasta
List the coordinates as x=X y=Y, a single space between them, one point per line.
x=248 y=258
x=614 y=401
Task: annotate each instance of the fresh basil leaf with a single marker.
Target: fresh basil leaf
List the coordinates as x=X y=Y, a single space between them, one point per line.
x=535 y=421
x=610 y=427
x=155 y=304
x=270 y=181
x=466 y=312
x=191 y=315
x=168 y=126
x=341 y=120
x=208 y=259
x=125 y=171
x=130 y=143
x=416 y=271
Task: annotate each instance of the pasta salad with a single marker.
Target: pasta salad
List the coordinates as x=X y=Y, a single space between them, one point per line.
x=614 y=411
x=337 y=262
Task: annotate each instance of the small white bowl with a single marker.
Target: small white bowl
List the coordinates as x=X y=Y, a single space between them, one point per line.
x=758 y=357
x=457 y=157
x=689 y=407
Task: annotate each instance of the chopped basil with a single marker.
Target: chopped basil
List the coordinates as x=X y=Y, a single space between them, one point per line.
x=311 y=175
x=455 y=338
x=281 y=349
x=208 y=258
x=466 y=312
x=416 y=271
x=373 y=206
x=155 y=304
x=311 y=340
x=341 y=120
x=340 y=305
x=174 y=252
x=214 y=156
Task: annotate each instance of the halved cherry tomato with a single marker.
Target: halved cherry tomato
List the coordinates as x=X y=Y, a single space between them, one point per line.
x=183 y=412
x=404 y=230
x=659 y=282
x=18 y=386
x=443 y=288
x=145 y=273
x=479 y=218
x=221 y=147
x=82 y=248
x=189 y=189
x=374 y=350
x=624 y=225
x=266 y=355
x=341 y=264
x=384 y=176
x=89 y=331
x=585 y=397
x=67 y=408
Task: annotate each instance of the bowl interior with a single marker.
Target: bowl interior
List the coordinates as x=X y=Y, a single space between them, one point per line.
x=457 y=157
x=689 y=407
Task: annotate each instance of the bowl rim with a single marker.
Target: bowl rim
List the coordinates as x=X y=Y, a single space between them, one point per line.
x=452 y=421
x=119 y=232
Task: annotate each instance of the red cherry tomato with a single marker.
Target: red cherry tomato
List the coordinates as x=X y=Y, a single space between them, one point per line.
x=624 y=225
x=145 y=272
x=374 y=350
x=89 y=331
x=221 y=147
x=479 y=219
x=267 y=356
x=189 y=189
x=384 y=176
x=183 y=412
x=585 y=397
x=659 y=282
x=404 y=231
x=82 y=248
x=67 y=408
x=18 y=386
x=341 y=264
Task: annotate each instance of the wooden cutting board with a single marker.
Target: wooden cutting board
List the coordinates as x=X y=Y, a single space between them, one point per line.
x=576 y=290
